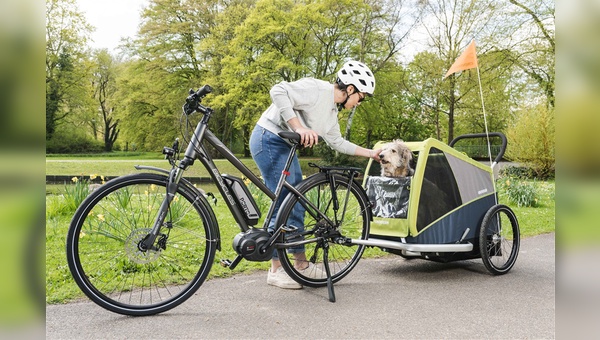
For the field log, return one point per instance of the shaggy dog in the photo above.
(395, 159)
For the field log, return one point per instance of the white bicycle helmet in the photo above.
(358, 74)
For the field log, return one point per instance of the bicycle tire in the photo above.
(355, 224)
(106, 263)
(498, 242)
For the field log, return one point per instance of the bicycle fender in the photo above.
(201, 199)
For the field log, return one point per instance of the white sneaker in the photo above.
(313, 272)
(281, 279)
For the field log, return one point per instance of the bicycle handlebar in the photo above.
(192, 102)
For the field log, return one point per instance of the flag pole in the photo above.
(468, 60)
(487, 134)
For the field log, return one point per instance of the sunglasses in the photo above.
(361, 97)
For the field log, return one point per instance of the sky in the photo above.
(113, 19)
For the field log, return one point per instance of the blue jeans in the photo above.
(270, 153)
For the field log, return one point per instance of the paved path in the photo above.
(382, 298)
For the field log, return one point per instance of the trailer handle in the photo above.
(483, 135)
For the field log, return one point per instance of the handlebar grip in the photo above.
(192, 102)
(204, 90)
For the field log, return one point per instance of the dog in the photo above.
(395, 158)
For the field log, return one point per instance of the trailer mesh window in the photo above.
(439, 191)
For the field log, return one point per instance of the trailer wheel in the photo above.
(499, 239)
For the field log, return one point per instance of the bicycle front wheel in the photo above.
(103, 245)
(348, 218)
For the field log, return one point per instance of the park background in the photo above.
(107, 110)
(22, 146)
(129, 98)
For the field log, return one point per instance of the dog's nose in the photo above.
(380, 156)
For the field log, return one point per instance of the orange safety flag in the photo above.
(466, 60)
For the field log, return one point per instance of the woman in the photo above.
(308, 107)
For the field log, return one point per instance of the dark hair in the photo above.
(341, 85)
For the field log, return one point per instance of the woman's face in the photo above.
(354, 98)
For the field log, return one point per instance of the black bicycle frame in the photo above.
(196, 150)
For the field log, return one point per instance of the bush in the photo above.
(520, 192)
(531, 141)
(520, 172)
(68, 142)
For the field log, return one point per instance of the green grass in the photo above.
(61, 288)
(118, 166)
(111, 155)
(540, 219)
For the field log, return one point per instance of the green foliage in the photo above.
(66, 37)
(540, 219)
(531, 140)
(262, 201)
(72, 142)
(243, 47)
(331, 157)
(520, 172)
(75, 194)
(519, 192)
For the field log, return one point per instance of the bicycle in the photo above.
(144, 243)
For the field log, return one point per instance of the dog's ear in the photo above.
(407, 154)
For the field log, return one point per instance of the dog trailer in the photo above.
(447, 211)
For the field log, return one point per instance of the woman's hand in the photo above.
(308, 137)
(375, 154)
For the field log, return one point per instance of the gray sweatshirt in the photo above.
(311, 100)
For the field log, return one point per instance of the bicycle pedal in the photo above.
(225, 263)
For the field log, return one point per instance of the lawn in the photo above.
(61, 288)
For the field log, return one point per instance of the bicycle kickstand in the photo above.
(328, 271)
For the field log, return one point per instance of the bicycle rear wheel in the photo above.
(103, 253)
(351, 220)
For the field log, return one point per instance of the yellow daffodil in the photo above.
(74, 179)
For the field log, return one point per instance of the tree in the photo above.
(387, 24)
(532, 46)
(66, 36)
(451, 25)
(534, 147)
(164, 63)
(104, 82)
(288, 40)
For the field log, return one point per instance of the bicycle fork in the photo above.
(147, 243)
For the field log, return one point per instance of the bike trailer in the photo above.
(437, 210)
